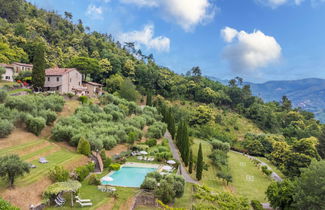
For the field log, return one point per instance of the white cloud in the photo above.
(94, 12)
(248, 52)
(228, 34)
(146, 38)
(186, 13)
(142, 3)
(274, 3)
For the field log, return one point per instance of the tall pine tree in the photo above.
(190, 165)
(199, 164)
(38, 74)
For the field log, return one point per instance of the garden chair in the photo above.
(84, 204)
(58, 202)
(82, 200)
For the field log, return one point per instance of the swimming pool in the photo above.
(128, 176)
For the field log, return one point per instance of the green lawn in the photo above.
(13, 149)
(248, 180)
(209, 177)
(19, 90)
(60, 157)
(186, 200)
(3, 83)
(99, 198)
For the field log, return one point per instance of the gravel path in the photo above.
(181, 170)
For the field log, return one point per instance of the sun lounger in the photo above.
(58, 203)
(140, 158)
(84, 204)
(43, 160)
(82, 200)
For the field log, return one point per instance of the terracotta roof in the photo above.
(93, 83)
(22, 64)
(58, 71)
(6, 65)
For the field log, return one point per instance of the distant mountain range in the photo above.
(308, 94)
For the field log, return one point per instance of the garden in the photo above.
(114, 121)
(32, 112)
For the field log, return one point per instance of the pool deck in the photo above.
(141, 165)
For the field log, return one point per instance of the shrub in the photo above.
(93, 180)
(156, 175)
(132, 137)
(165, 192)
(64, 133)
(219, 145)
(109, 142)
(256, 205)
(58, 174)
(156, 130)
(149, 183)
(4, 205)
(266, 170)
(83, 171)
(3, 96)
(95, 144)
(49, 115)
(107, 163)
(83, 99)
(35, 124)
(115, 166)
(5, 128)
(151, 142)
(83, 147)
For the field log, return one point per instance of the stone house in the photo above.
(63, 80)
(9, 74)
(19, 67)
(93, 89)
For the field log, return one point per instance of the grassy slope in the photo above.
(248, 180)
(237, 125)
(240, 167)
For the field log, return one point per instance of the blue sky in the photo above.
(258, 40)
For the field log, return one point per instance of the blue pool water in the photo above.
(128, 176)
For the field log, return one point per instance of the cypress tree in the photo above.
(172, 127)
(149, 98)
(186, 145)
(38, 74)
(199, 164)
(179, 135)
(190, 165)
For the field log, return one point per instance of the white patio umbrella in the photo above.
(167, 168)
(171, 162)
(143, 153)
(107, 179)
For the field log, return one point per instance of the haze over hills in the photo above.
(308, 94)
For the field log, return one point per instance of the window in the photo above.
(48, 78)
(7, 77)
(79, 83)
(58, 79)
(70, 79)
(57, 87)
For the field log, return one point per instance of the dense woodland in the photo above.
(292, 139)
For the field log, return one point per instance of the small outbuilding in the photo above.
(93, 89)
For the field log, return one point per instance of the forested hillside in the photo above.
(290, 138)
